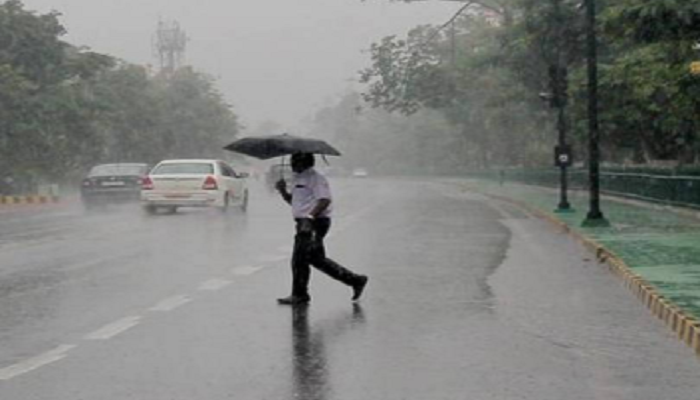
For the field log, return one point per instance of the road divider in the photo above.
(30, 199)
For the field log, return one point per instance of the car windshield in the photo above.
(184, 168)
(118, 169)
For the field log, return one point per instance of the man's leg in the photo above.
(300, 269)
(318, 259)
(301, 272)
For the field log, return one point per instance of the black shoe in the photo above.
(359, 287)
(294, 300)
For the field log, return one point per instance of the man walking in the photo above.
(311, 200)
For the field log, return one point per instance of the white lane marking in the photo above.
(35, 362)
(111, 330)
(271, 258)
(214, 284)
(245, 270)
(170, 303)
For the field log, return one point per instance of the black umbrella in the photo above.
(266, 147)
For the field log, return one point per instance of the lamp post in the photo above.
(563, 158)
(559, 83)
(595, 216)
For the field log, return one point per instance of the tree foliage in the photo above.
(651, 98)
(484, 76)
(650, 21)
(64, 108)
(465, 74)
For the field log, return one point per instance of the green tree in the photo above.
(487, 90)
(652, 103)
(196, 121)
(64, 108)
(485, 77)
(43, 111)
(655, 20)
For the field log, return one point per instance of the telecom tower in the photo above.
(169, 45)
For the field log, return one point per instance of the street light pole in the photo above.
(564, 205)
(595, 215)
(559, 92)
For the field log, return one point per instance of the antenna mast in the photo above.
(169, 45)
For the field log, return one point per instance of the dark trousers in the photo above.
(310, 251)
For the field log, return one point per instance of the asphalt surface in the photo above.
(657, 242)
(468, 299)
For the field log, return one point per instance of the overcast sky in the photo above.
(274, 60)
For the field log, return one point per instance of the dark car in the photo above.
(113, 183)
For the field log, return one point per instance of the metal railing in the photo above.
(680, 190)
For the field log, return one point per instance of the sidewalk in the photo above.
(659, 244)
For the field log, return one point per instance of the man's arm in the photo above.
(321, 206)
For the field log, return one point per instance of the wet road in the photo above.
(468, 299)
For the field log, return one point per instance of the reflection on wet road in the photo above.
(467, 299)
(311, 380)
(309, 360)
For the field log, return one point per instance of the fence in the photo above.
(680, 190)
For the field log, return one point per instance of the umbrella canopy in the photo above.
(266, 147)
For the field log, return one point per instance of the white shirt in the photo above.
(308, 187)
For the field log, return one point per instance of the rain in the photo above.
(349, 199)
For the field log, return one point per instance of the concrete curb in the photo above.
(32, 199)
(685, 326)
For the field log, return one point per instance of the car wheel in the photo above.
(150, 210)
